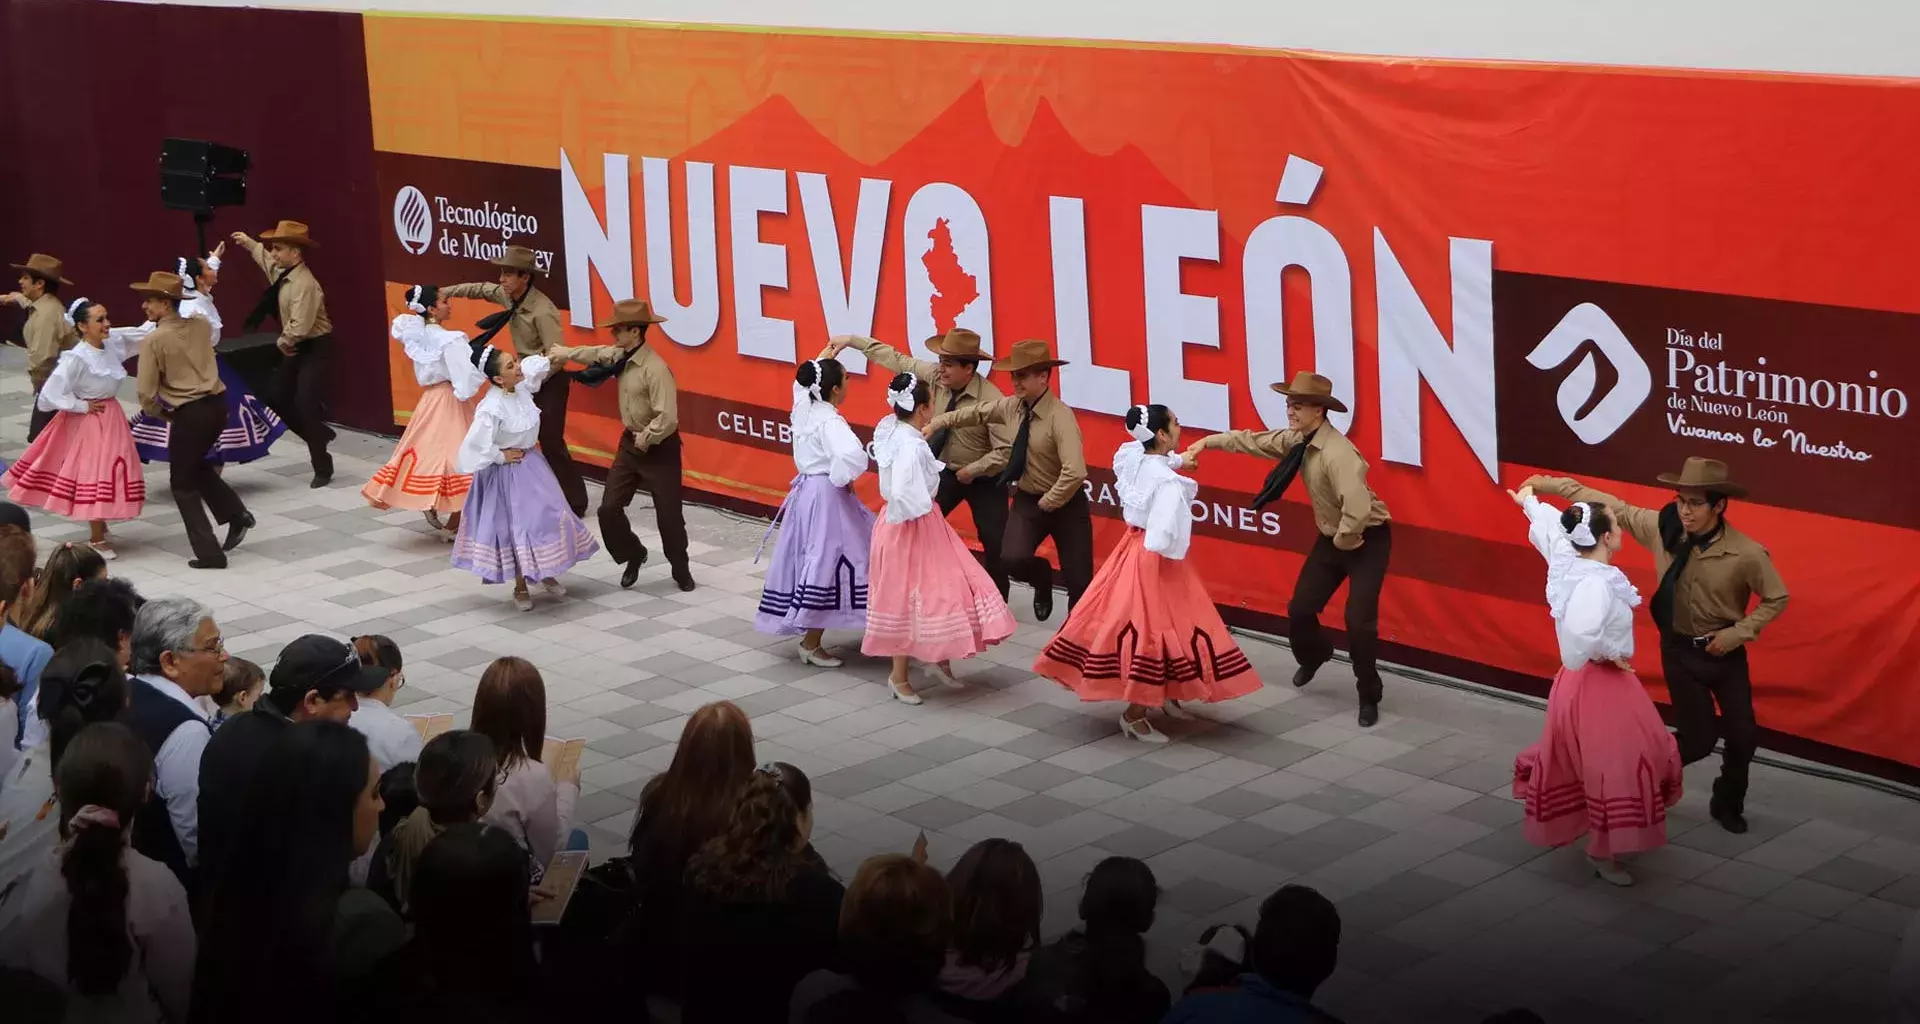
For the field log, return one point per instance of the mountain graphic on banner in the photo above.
(953, 288)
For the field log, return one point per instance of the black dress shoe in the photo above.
(198, 563)
(237, 531)
(1729, 819)
(684, 578)
(320, 480)
(1303, 675)
(1369, 715)
(631, 575)
(322, 471)
(1043, 603)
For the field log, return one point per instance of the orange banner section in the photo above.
(1505, 269)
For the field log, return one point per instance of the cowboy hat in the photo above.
(1700, 474)
(289, 232)
(632, 311)
(44, 265)
(517, 257)
(1031, 354)
(1312, 389)
(958, 343)
(160, 284)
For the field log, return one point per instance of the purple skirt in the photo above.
(517, 523)
(250, 432)
(818, 579)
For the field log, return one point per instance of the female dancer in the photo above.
(818, 579)
(927, 598)
(517, 524)
(1604, 763)
(251, 426)
(83, 465)
(1146, 632)
(420, 475)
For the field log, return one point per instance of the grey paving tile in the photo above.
(1140, 841)
(1037, 810)
(1490, 810)
(1243, 838)
(848, 782)
(945, 749)
(1276, 753)
(1337, 800)
(625, 744)
(1135, 773)
(1414, 890)
(640, 715)
(937, 814)
(1199, 897)
(1038, 777)
(600, 806)
(1040, 745)
(1854, 875)
(1301, 855)
(1238, 802)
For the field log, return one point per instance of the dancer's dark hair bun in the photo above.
(1599, 520)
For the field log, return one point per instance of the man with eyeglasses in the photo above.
(178, 657)
(1355, 540)
(1710, 573)
(973, 455)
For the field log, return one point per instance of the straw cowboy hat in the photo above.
(1312, 389)
(160, 284)
(517, 257)
(44, 265)
(632, 311)
(1703, 475)
(958, 343)
(1031, 354)
(289, 232)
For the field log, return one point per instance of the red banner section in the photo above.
(1504, 270)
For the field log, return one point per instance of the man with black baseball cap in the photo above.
(316, 677)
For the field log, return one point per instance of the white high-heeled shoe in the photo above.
(554, 588)
(943, 674)
(1610, 871)
(907, 697)
(818, 657)
(1174, 711)
(1142, 730)
(523, 600)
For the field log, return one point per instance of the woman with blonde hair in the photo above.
(532, 802)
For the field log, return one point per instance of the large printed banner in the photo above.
(1505, 270)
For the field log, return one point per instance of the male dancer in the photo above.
(649, 455)
(1355, 541)
(1046, 467)
(974, 456)
(1709, 574)
(180, 382)
(47, 332)
(534, 322)
(298, 390)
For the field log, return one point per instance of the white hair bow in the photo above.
(1582, 532)
(414, 295)
(902, 398)
(74, 307)
(813, 389)
(187, 283)
(1141, 432)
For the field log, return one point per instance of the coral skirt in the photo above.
(1146, 632)
(419, 476)
(1604, 766)
(927, 596)
(82, 466)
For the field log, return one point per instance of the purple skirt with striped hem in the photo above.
(250, 432)
(517, 523)
(818, 578)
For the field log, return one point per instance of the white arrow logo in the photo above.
(1589, 323)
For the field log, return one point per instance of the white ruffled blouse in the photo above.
(823, 444)
(1592, 603)
(87, 374)
(504, 419)
(909, 473)
(1155, 498)
(439, 355)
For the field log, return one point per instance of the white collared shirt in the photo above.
(439, 355)
(503, 420)
(176, 768)
(909, 474)
(823, 444)
(390, 738)
(1592, 602)
(1155, 499)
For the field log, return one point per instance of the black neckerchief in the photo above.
(269, 304)
(491, 323)
(1680, 547)
(599, 373)
(1282, 475)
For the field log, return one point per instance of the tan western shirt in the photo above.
(649, 399)
(47, 334)
(1056, 466)
(177, 364)
(303, 306)
(535, 325)
(981, 450)
(1719, 581)
(1344, 507)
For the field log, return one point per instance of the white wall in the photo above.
(1851, 37)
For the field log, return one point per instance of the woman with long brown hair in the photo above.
(680, 810)
(997, 907)
(531, 802)
(762, 910)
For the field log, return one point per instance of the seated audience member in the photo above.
(761, 910)
(241, 684)
(1217, 961)
(895, 925)
(680, 810)
(454, 784)
(1295, 947)
(82, 685)
(68, 567)
(997, 906)
(14, 515)
(108, 924)
(534, 805)
(398, 798)
(284, 937)
(101, 610)
(392, 738)
(20, 651)
(316, 678)
(472, 955)
(1097, 973)
(178, 657)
